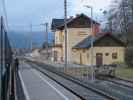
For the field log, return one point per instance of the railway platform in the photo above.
(37, 86)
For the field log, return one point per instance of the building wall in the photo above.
(78, 54)
(59, 38)
(75, 35)
(59, 51)
(86, 55)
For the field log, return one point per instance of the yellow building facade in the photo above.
(108, 50)
(84, 56)
(75, 35)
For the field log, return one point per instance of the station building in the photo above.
(107, 48)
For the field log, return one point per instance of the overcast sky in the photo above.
(25, 12)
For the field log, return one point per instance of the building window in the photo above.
(80, 33)
(114, 56)
(106, 54)
(88, 55)
(83, 51)
(62, 59)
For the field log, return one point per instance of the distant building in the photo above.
(107, 48)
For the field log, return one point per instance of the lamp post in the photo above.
(92, 40)
(65, 25)
(46, 39)
(31, 37)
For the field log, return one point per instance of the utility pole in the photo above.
(65, 24)
(1, 36)
(31, 47)
(92, 45)
(46, 38)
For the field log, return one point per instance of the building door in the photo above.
(81, 59)
(99, 59)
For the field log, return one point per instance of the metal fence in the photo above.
(6, 56)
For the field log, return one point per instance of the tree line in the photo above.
(120, 22)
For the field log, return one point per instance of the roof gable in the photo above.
(102, 40)
(80, 21)
(56, 23)
(108, 40)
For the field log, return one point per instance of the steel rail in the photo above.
(124, 79)
(79, 96)
(74, 80)
(115, 81)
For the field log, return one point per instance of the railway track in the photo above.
(120, 81)
(124, 80)
(96, 94)
(105, 88)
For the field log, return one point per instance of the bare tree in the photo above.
(120, 17)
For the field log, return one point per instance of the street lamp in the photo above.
(31, 41)
(65, 25)
(92, 39)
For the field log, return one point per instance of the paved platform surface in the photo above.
(18, 89)
(37, 86)
(86, 93)
(115, 90)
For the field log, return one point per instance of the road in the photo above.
(37, 86)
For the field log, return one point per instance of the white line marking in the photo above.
(16, 97)
(61, 94)
(24, 87)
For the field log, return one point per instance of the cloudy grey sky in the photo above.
(25, 12)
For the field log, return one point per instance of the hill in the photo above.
(21, 39)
